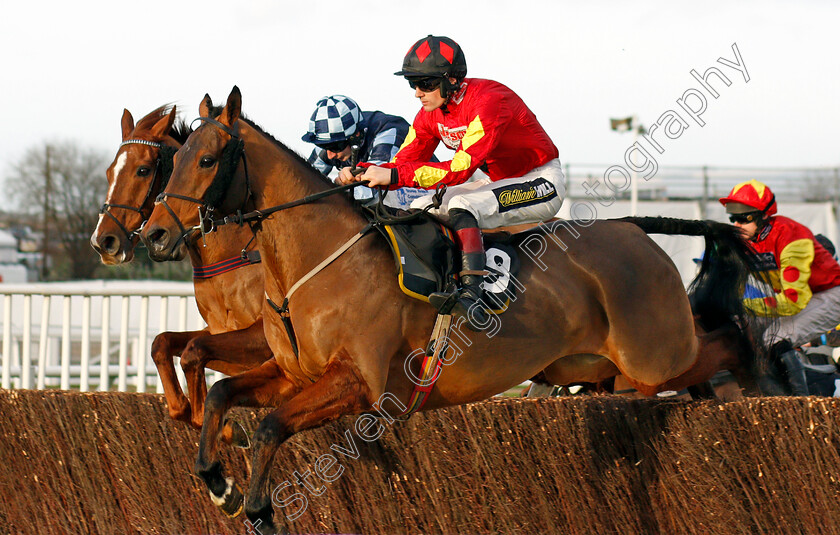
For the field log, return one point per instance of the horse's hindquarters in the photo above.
(631, 306)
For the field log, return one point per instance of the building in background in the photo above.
(11, 267)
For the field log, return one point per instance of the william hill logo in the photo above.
(510, 197)
(518, 195)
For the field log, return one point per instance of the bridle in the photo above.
(232, 153)
(164, 151)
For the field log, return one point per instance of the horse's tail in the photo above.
(716, 293)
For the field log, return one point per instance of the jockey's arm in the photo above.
(795, 269)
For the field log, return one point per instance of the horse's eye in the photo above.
(207, 161)
(144, 171)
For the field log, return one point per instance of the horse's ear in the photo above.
(161, 128)
(205, 106)
(233, 107)
(127, 124)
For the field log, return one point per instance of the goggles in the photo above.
(335, 146)
(426, 85)
(744, 218)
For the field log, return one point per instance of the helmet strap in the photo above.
(769, 204)
(763, 218)
(447, 88)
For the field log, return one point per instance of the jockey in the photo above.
(338, 124)
(805, 277)
(490, 129)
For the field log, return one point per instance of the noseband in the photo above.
(232, 153)
(165, 152)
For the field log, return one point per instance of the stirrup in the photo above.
(460, 303)
(443, 301)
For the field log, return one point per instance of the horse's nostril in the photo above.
(157, 237)
(110, 244)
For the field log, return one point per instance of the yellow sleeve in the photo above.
(793, 293)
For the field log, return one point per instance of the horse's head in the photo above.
(205, 181)
(136, 176)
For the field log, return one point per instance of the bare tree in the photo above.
(61, 186)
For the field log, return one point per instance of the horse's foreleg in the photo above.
(164, 347)
(338, 392)
(265, 386)
(231, 353)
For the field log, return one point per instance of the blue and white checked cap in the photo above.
(335, 119)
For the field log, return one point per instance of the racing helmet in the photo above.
(435, 57)
(750, 196)
(336, 118)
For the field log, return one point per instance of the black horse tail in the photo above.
(716, 293)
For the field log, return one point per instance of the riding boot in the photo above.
(469, 303)
(467, 300)
(790, 363)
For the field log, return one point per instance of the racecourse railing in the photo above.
(704, 184)
(90, 335)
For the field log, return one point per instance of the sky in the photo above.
(70, 68)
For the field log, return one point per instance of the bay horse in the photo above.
(228, 289)
(609, 301)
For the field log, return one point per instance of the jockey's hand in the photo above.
(346, 177)
(376, 176)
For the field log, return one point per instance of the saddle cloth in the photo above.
(428, 261)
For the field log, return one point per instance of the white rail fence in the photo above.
(91, 335)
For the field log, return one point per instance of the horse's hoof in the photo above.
(263, 520)
(231, 503)
(235, 435)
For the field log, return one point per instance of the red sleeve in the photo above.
(486, 121)
(420, 142)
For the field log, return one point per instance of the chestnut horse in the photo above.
(230, 302)
(609, 301)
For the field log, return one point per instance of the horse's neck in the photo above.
(295, 240)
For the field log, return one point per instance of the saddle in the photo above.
(428, 260)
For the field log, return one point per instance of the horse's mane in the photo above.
(215, 111)
(180, 131)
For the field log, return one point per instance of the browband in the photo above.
(210, 120)
(141, 142)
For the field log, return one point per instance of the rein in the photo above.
(259, 215)
(382, 217)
